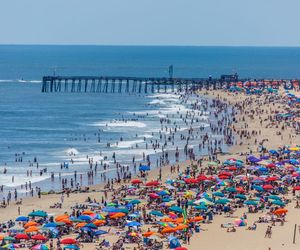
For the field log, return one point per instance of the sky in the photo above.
(151, 22)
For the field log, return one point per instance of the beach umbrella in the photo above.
(240, 223)
(67, 241)
(168, 230)
(231, 189)
(30, 224)
(218, 194)
(274, 197)
(38, 213)
(297, 188)
(11, 246)
(99, 222)
(81, 224)
(148, 234)
(9, 238)
(136, 181)
(222, 201)
(156, 213)
(32, 229)
(278, 202)
(241, 196)
(280, 211)
(133, 224)
(22, 218)
(144, 168)
(163, 192)
(50, 224)
(61, 217)
(123, 210)
(176, 209)
(181, 227)
(167, 199)
(100, 232)
(22, 237)
(154, 196)
(39, 237)
(91, 225)
(152, 183)
(212, 163)
(180, 248)
(134, 202)
(201, 207)
(251, 203)
(73, 247)
(88, 212)
(196, 219)
(268, 187)
(41, 247)
(94, 204)
(258, 188)
(84, 218)
(117, 215)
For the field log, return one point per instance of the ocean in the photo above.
(55, 126)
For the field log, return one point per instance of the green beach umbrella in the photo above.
(241, 196)
(278, 202)
(251, 202)
(201, 207)
(38, 213)
(218, 194)
(134, 202)
(274, 197)
(176, 209)
(222, 201)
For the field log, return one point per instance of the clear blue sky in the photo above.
(151, 22)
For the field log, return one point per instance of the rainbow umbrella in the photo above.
(240, 223)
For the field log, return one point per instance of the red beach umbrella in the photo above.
(22, 237)
(136, 181)
(191, 180)
(154, 196)
(152, 183)
(297, 188)
(268, 186)
(273, 178)
(68, 241)
(271, 165)
(181, 248)
(202, 178)
(39, 237)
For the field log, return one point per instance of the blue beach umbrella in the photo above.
(22, 218)
(100, 232)
(50, 224)
(133, 224)
(144, 168)
(84, 217)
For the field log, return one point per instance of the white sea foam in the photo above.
(120, 124)
(72, 151)
(127, 144)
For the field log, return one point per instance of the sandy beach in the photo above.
(212, 236)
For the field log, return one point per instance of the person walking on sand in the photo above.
(62, 198)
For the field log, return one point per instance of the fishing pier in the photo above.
(115, 84)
